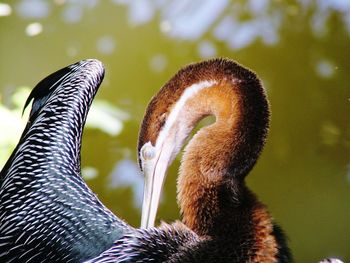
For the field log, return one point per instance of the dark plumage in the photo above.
(47, 213)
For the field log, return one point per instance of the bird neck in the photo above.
(212, 191)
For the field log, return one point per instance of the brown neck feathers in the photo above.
(211, 185)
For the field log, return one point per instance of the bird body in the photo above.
(222, 220)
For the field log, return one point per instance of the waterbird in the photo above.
(60, 219)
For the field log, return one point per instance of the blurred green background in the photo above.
(300, 49)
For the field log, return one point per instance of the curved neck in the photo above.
(219, 156)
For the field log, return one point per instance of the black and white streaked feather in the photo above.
(47, 212)
(168, 243)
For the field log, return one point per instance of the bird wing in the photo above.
(47, 212)
(167, 243)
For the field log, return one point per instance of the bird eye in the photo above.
(148, 151)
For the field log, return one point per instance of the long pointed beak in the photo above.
(154, 167)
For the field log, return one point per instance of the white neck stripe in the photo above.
(187, 94)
